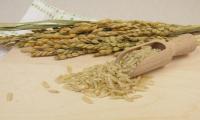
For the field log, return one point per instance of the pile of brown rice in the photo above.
(110, 79)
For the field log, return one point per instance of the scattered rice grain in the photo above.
(87, 100)
(69, 69)
(53, 91)
(45, 84)
(9, 97)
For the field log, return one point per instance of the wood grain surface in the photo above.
(175, 94)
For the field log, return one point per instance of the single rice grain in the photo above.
(9, 96)
(69, 69)
(45, 84)
(87, 100)
(53, 91)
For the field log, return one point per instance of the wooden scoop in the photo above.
(181, 45)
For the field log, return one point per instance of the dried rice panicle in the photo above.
(100, 38)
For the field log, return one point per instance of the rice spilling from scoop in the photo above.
(110, 79)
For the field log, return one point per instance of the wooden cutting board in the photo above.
(175, 94)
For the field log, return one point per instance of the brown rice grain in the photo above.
(53, 91)
(45, 84)
(87, 100)
(9, 97)
(69, 69)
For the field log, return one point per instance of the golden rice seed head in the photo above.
(20, 44)
(81, 29)
(56, 57)
(44, 40)
(57, 46)
(49, 53)
(60, 50)
(69, 55)
(43, 53)
(66, 52)
(75, 54)
(115, 49)
(64, 30)
(38, 54)
(9, 44)
(91, 36)
(27, 44)
(27, 49)
(166, 32)
(97, 54)
(97, 47)
(105, 52)
(84, 46)
(172, 29)
(45, 46)
(94, 41)
(4, 41)
(39, 43)
(81, 52)
(60, 57)
(102, 34)
(50, 43)
(69, 51)
(80, 45)
(73, 44)
(71, 36)
(90, 47)
(38, 47)
(33, 54)
(49, 49)
(95, 31)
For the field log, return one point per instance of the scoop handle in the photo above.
(183, 44)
